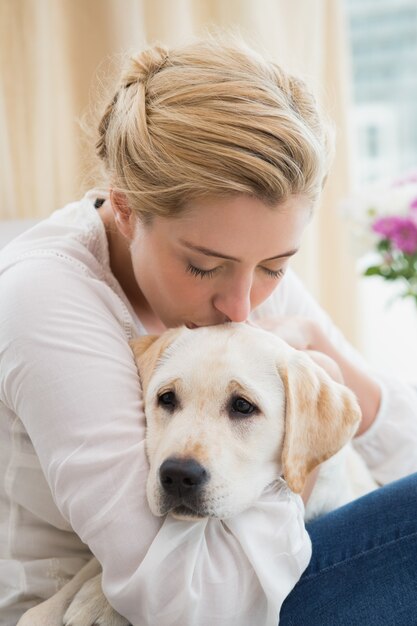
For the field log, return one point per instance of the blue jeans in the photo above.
(363, 570)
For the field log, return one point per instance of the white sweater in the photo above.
(72, 457)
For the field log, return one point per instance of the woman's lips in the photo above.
(191, 325)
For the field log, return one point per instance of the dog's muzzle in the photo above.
(182, 481)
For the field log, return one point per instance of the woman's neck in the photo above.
(122, 269)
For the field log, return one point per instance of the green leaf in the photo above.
(374, 270)
(384, 245)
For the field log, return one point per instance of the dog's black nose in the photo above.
(182, 477)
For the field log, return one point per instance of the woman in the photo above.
(215, 159)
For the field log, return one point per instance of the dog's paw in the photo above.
(90, 608)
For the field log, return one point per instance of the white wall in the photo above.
(387, 328)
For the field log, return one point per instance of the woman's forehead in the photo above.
(227, 226)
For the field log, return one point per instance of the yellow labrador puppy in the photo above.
(229, 409)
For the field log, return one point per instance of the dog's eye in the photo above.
(168, 400)
(240, 405)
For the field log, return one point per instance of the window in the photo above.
(383, 39)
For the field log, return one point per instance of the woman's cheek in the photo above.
(262, 292)
(187, 288)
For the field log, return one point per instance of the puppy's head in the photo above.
(229, 409)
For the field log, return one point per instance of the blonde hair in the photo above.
(210, 119)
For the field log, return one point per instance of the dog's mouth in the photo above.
(185, 512)
(183, 508)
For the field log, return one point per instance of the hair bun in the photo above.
(210, 119)
(144, 65)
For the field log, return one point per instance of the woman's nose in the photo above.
(234, 303)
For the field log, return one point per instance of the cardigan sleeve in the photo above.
(389, 446)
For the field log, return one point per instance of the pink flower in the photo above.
(402, 231)
(387, 226)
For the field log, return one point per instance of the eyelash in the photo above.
(272, 274)
(195, 271)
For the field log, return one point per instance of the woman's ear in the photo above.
(124, 217)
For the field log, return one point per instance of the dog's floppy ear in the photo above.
(148, 349)
(321, 416)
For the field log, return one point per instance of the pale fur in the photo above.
(304, 419)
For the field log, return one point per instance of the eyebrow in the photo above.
(220, 255)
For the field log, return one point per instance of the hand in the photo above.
(301, 334)
(329, 365)
(297, 331)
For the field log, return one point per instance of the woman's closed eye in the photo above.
(196, 271)
(274, 273)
